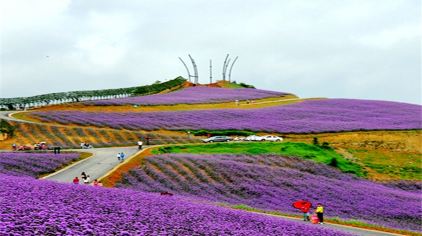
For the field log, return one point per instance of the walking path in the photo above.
(102, 161)
(5, 115)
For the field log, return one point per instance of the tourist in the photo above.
(140, 143)
(83, 176)
(122, 156)
(87, 179)
(118, 156)
(305, 211)
(76, 180)
(320, 213)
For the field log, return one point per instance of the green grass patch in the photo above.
(391, 165)
(316, 153)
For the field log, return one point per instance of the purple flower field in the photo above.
(191, 95)
(328, 115)
(33, 164)
(34, 207)
(273, 182)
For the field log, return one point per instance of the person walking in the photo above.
(76, 180)
(122, 156)
(87, 179)
(83, 176)
(320, 213)
(118, 156)
(140, 143)
(305, 211)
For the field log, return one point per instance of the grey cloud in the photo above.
(352, 49)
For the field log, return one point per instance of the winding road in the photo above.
(102, 161)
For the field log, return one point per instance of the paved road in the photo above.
(5, 116)
(102, 161)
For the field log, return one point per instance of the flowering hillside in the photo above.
(33, 207)
(33, 164)
(191, 95)
(274, 182)
(328, 115)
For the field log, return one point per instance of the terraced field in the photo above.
(48, 208)
(72, 136)
(192, 95)
(273, 182)
(329, 115)
(34, 164)
(367, 172)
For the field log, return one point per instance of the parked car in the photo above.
(217, 139)
(272, 138)
(254, 138)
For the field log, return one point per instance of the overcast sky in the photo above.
(314, 48)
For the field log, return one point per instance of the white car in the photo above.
(272, 138)
(254, 138)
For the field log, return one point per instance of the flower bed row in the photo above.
(329, 115)
(273, 182)
(191, 95)
(33, 164)
(33, 207)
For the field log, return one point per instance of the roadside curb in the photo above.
(126, 161)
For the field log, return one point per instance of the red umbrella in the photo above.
(302, 205)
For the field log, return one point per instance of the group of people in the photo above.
(85, 145)
(121, 156)
(317, 217)
(86, 179)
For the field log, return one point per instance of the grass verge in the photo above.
(112, 177)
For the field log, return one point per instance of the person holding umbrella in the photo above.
(304, 207)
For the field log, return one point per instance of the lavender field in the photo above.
(33, 164)
(33, 207)
(328, 115)
(274, 182)
(191, 95)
